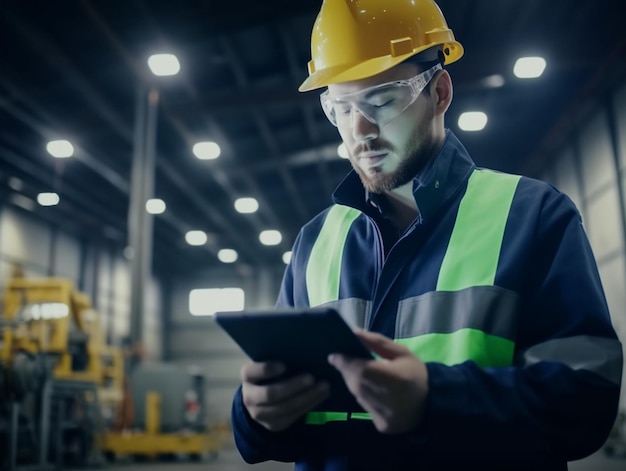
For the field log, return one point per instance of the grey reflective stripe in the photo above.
(324, 265)
(490, 309)
(474, 247)
(599, 355)
(354, 311)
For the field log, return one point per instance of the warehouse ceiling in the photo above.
(72, 69)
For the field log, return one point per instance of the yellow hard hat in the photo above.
(355, 39)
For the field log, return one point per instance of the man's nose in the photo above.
(362, 128)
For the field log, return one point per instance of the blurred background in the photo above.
(157, 162)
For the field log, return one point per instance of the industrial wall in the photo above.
(590, 167)
(197, 342)
(43, 250)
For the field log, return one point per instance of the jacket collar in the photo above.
(447, 172)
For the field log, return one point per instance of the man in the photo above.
(477, 290)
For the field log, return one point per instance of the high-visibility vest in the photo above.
(465, 283)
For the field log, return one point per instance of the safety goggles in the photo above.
(379, 104)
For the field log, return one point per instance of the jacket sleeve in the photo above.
(254, 442)
(560, 396)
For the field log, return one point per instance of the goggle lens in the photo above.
(379, 104)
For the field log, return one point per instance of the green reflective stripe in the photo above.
(465, 344)
(324, 265)
(474, 248)
(320, 418)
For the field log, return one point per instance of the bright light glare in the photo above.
(287, 257)
(342, 151)
(164, 64)
(60, 149)
(246, 205)
(196, 238)
(206, 302)
(45, 311)
(155, 206)
(270, 237)
(472, 121)
(227, 255)
(529, 67)
(48, 199)
(207, 150)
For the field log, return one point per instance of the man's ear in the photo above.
(441, 91)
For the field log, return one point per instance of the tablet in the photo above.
(302, 339)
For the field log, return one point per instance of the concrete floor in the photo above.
(229, 460)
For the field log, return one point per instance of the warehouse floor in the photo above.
(229, 460)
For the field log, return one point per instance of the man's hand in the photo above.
(277, 405)
(392, 390)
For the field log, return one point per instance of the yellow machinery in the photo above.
(51, 339)
(152, 443)
(53, 318)
(49, 318)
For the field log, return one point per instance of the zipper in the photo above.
(376, 302)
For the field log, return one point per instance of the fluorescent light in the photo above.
(60, 149)
(16, 184)
(207, 150)
(472, 121)
(342, 151)
(196, 237)
(246, 205)
(155, 206)
(270, 237)
(22, 201)
(529, 67)
(287, 257)
(227, 255)
(164, 64)
(48, 199)
(494, 81)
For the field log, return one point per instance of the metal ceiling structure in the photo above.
(72, 69)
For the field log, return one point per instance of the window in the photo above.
(206, 302)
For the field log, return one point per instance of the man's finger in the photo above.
(280, 390)
(381, 345)
(346, 363)
(257, 372)
(280, 416)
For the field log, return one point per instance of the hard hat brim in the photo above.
(369, 68)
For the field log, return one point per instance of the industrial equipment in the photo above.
(168, 416)
(53, 347)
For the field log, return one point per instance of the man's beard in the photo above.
(419, 150)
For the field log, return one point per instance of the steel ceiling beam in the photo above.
(264, 130)
(306, 111)
(221, 177)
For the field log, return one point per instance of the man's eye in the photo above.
(381, 100)
(382, 103)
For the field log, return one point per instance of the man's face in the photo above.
(390, 155)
